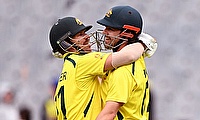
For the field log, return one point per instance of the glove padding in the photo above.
(150, 43)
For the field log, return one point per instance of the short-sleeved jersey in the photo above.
(129, 85)
(77, 95)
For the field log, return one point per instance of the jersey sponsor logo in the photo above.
(97, 56)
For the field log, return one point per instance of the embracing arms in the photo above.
(126, 55)
(132, 52)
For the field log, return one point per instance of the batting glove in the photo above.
(150, 43)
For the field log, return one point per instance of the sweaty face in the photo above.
(82, 40)
(111, 37)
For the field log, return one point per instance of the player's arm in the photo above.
(150, 44)
(126, 55)
(132, 52)
(109, 111)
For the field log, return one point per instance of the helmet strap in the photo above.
(120, 44)
(123, 44)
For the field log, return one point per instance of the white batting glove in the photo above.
(150, 42)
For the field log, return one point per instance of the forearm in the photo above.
(127, 55)
(109, 111)
(106, 116)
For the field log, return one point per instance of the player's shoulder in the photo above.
(125, 70)
(122, 69)
(140, 62)
(99, 55)
(141, 59)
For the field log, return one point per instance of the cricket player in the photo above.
(125, 91)
(77, 95)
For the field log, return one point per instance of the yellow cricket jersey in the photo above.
(129, 85)
(77, 95)
(50, 108)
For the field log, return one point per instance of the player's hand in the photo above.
(150, 43)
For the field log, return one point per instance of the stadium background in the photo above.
(27, 66)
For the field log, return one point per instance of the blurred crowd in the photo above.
(9, 110)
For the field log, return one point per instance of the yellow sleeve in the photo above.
(93, 63)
